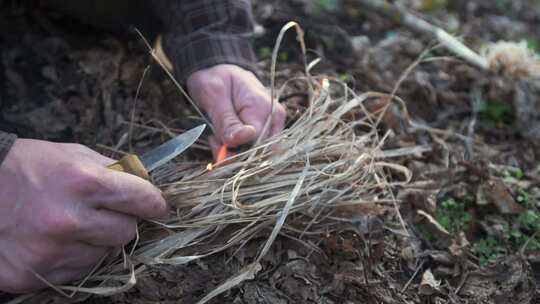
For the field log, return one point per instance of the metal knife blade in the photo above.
(172, 148)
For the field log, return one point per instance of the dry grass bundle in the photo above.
(295, 183)
(305, 181)
(515, 59)
(330, 161)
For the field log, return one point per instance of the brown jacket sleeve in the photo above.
(200, 34)
(6, 141)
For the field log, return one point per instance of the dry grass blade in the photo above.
(164, 65)
(107, 291)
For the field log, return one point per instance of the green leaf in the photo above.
(327, 5)
(516, 234)
(265, 53)
(283, 57)
(453, 216)
(487, 250)
(495, 111)
(518, 173)
(533, 44)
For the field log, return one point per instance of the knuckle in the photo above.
(82, 179)
(210, 81)
(259, 98)
(58, 224)
(215, 83)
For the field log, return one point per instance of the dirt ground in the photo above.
(473, 212)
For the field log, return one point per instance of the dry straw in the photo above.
(294, 184)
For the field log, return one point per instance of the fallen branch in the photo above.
(512, 58)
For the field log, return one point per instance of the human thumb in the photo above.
(232, 130)
(213, 91)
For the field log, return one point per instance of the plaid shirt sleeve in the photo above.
(6, 141)
(202, 33)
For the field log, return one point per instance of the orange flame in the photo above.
(222, 154)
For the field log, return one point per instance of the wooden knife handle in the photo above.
(130, 164)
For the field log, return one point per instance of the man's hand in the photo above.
(237, 103)
(61, 211)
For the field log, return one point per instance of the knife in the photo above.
(158, 156)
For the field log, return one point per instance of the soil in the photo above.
(66, 81)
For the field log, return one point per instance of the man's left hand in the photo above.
(237, 103)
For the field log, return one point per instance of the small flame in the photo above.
(222, 154)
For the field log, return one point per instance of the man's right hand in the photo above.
(61, 211)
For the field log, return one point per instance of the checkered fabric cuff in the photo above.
(209, 51)
(200, 34)
(6, 141)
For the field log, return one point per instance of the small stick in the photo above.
(413, 277)
(462, 283)
(402, 16)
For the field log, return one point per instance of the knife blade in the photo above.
(158, 156)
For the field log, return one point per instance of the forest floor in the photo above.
(473, 214)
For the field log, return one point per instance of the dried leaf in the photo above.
(429, 284)
(499, 195)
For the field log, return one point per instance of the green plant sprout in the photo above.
(452, 216)
(488, 250)
(495, 111)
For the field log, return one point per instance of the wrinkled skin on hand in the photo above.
(61, 211)
(237, 104)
